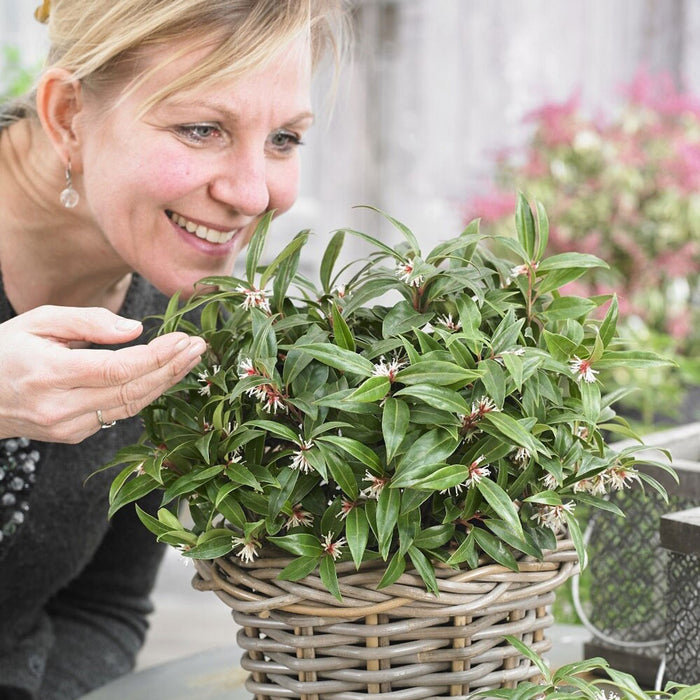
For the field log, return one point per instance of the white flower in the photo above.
(332, 548)
(299, 517)
(449, 323)
(621, 478)
(602, 695)
(595, 485)
(553, 516)
(484, 405)
(246, 368)
(476, 474)
(204, 379)
(521, 456)
(382, 369)
(339, 291)
(550, 481)
(254, 298)
(345, 508)
(300, 460)
(582, 369)
(376, 485)
(404, 270)
(270, 397)
(248, 550)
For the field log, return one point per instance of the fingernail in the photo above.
(182, 344)
(127, 324)
(197, 347)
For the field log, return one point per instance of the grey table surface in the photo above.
(210, 675)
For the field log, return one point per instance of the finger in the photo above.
(91, 324)
(113, 368)
(126, 403)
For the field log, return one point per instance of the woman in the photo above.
(159, 132)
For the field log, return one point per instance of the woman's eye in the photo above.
(285, 141)
(198, 133)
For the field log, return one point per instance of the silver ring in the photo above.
(103, 425)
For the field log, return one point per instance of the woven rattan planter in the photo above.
(398, 643)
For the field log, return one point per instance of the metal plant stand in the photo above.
(634, 585)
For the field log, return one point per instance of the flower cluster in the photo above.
(625, 187)
(461, 421)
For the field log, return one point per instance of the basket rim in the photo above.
(253, 587)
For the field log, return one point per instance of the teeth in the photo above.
(203, 232)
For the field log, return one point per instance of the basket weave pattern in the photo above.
(398, 643)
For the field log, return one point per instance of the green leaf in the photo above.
(357, 533)
(339, 358)
(590, 399)
(434, 537)
(634, 359)
(609, 325)
(496, 549)
(525, 226)
(341, 332)
(403, 318)
(132, 491)
(501, 503)
(542, 230)
(372, 389)
(437, 397)
(329, 576)
(511, 429)
(425, 569)
(530, 654)
(388, 507)
(256, 247)
(394, 570)
(438, 479)
(577, 537)
(407, 233)
(436, 372)
(288, 251)
(395, 420)
(219, 544)
(299, 568)
(342, 473)
(562, 308)
(355, 448)
(281, 431)
(301, 544)
(436, 444)
(330, 257)
(564, 261)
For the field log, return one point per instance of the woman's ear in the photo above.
(58, 102)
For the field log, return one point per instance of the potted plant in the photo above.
(381, 473)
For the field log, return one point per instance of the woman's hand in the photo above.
(51, 390)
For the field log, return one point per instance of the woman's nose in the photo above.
(241, 184)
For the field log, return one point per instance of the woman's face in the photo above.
(177, 192)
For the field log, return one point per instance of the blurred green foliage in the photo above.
(16, 77)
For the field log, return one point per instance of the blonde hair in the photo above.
(100, 41)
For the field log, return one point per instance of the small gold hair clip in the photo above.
(43, 11)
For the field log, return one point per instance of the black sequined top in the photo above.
(74, 586)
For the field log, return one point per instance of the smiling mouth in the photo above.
(199, 230)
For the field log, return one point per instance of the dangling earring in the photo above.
(69, 196)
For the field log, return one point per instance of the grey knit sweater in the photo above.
(74, 586)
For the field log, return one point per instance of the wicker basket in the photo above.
(398, 643)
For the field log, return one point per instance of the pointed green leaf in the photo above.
(501, 503)
(329, 576)
(357, 533)
(339, 358)
(256, 247)
(395, 420)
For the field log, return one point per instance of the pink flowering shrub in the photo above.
(626, 188)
